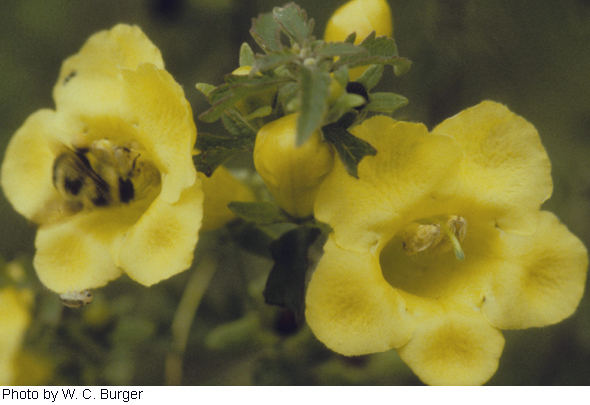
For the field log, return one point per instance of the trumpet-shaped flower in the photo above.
(441, 243)
(108, 174)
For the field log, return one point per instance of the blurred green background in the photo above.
(532, 55)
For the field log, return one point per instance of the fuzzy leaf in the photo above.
(333, 49)
(293, 20)
(206, 162)
(351, 149)
(246, 55)
(314, 91)
(217, 149)
(380, 50)
(266, 32)
(371, 77)
(285, 285)
(205, 88)
(386, 102)
(237, 126)
(274, 59)
(235, 88)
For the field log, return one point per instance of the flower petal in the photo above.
(453, 346)
(351, 308)
(165, 126)
(542, 279)
(76, 254)
(506, 167)
(411, 167)
(161, 243)
(90, 81)
(28, 165)
(14, 322)
(220, 189)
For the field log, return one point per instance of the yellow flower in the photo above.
(441, 243)
(362, 17)
(108, 175)
(15, 318)
(292, 173)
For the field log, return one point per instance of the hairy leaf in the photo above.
(314, 90)
(266, 32)
(371, 77)
(246, 55)
(386, 102)
(351, 149)
(293, 20)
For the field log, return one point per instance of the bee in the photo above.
(97, 176)
(76, 299)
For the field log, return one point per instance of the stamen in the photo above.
(435, 236)
(456, 245)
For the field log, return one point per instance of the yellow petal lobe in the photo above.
(542, 279)
(506, 167)
(453, 346)
(90, 81)
(351, 308)
(162, 242)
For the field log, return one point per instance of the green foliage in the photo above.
(301, 70)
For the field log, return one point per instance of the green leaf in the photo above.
(380, 50)
(217, 149)
(287, 93)
(205, 88)
(333, 49)
(262, 112)
(246, 55)
(285, 285)
(350, 38)
(371, 77)
(262, 213)
(274, 59)
(386, 102)
(351, 149)
(314, 91)
(266, 32)
(238, 126)
(293, 20)
(235, 88)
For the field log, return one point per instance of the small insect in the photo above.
(76, 299)
(100, 175)
(76, 180)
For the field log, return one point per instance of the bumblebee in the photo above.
(100, 175)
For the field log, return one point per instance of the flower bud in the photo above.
(362, 17)
(292, 173)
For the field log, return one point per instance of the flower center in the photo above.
(436, 236)
(102, 174)
(418, 260)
